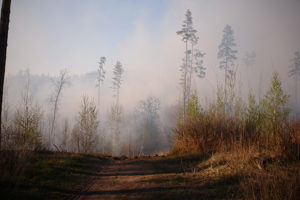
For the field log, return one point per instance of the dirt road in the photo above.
(151, 178)
(119, 179)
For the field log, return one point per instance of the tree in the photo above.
(193, 107)
(274, 104)
(100, 79)
(84, 132)
(254, 115)
(65, 135)
(188, 35)
(27, 121)
(115, 121)
(295, 71)
(117, 80)
(101, 76)
(7, 122)
(147, 110)
(195, 66)
(58, 85)
(199, 69)
(227, 55)
(249, 61)
(4, 24)
(249, 58)
(116, 109)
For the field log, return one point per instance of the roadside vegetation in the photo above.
(44, 174)
(258, 143)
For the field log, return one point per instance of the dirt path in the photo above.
(118, 179)
(149, 179)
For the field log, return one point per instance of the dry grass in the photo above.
(262, 175)
(266, 159)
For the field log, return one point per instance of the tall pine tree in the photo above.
(227, 55)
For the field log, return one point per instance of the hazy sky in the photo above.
(49, 35)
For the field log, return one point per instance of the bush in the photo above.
(264, 125)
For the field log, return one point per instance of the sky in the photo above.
(50, 35)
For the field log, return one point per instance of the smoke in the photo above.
(143, 38)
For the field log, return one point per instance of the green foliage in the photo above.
(273, 104)
(263, 124)
(27, 121)
(254, 116)
(27, 127)
(84, 132)
(193, 107)
(219, 107)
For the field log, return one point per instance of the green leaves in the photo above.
(274, 102)
(193, 107)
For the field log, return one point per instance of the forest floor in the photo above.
(156, 178)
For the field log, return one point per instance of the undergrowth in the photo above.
(257, 142)
(43, 175)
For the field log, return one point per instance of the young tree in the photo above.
(27, 121)
(193, 108)
(274, 104)
(6, 123)
(227, 55)
(5, 12)
(58, 85)
(188, 35)
(100, 77)
(295, 72)
(84, 132)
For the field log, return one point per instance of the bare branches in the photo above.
(58, 85)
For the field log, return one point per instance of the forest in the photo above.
(199, 114)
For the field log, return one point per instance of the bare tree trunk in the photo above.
(184, 81)
(225, 86)
(296, 95)
(190, 74)
(63, 78)
(5, 11)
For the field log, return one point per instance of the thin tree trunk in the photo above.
(5, 11)
(225, 87)
(296, 94)
(99, 94)
(55, 111)
(184, 83)
(191, 72)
